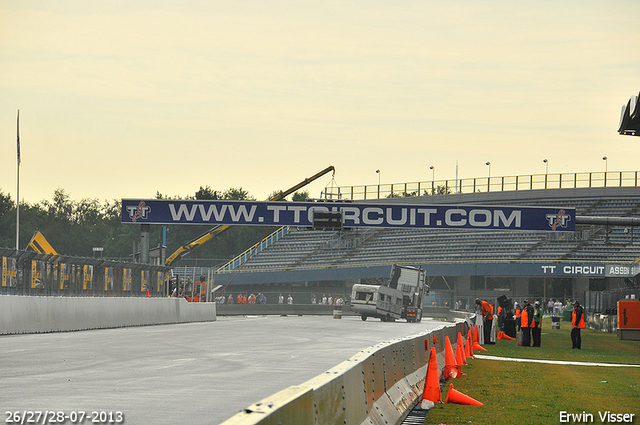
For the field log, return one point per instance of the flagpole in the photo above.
(18, 186)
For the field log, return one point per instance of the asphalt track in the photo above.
(180, 374)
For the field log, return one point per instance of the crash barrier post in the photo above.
(378, 385)
(21, 314)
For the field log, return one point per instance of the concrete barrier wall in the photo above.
(24, 314)
(275, 309)
(378, 385)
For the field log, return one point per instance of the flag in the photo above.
(18, 132)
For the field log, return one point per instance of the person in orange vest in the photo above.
(252, 299)
(239, 298)
(577, 323)
(526, 323)
(518, 316)
(487, 316)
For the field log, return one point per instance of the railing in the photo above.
(486, 184)
(30, 273)
(606, 302)
(242, 258)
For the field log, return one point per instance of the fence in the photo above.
(487, 184)
(606, 302)
(30, 273)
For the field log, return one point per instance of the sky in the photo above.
(123, 99)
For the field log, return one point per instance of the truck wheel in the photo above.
(364, 318)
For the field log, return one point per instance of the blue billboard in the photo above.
(392, 215)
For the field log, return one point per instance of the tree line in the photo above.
(75, 227)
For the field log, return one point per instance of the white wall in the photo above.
(24, 314)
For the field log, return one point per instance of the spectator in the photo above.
(280, 299)
(536, 331)
(290, 300)
(526, 323)
(577, 323)
(313, 299)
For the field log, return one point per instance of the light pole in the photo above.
(489, 178)
(378, 173)
(546, 171)
(433, 179)
(606, 166)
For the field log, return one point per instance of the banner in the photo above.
(87, 281)
(163, 211)
(126, 279)
(143, 280)
(37, 274)
(64, 275)
(9, 272)
(108, 278)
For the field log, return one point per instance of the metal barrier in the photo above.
(486, 184)
(30, 273)
(378, 385)
(606, 302)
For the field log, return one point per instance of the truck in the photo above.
(399, 298)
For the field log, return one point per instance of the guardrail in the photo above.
(30, 273)
(378, 385)
(486, 184)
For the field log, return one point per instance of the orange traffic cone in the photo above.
(451, 368)
(505, 336)
(500, 335)
(470, 347)
(460, 358)
(476, 336)
(479, 347)
(462, 351)
(431, 390)
(455, 396)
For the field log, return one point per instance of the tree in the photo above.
(301, 196)
(237, 194)
(207, 193)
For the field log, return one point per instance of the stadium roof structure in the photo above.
(303, 255)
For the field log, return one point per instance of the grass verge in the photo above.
(533, 393)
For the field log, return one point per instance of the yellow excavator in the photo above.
(215, 231)
(40, 244)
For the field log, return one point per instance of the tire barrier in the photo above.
(380, 384)
(24, 314)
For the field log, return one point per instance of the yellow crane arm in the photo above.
(213, 232)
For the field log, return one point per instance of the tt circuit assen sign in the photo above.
(279, 213)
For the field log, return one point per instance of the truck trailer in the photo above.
(399, 298)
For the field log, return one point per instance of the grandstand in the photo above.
(518, 260)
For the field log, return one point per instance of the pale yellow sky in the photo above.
(123, 99)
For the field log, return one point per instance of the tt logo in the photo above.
(558, 220)
(140, 211)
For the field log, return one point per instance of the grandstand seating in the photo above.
(304, 248)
